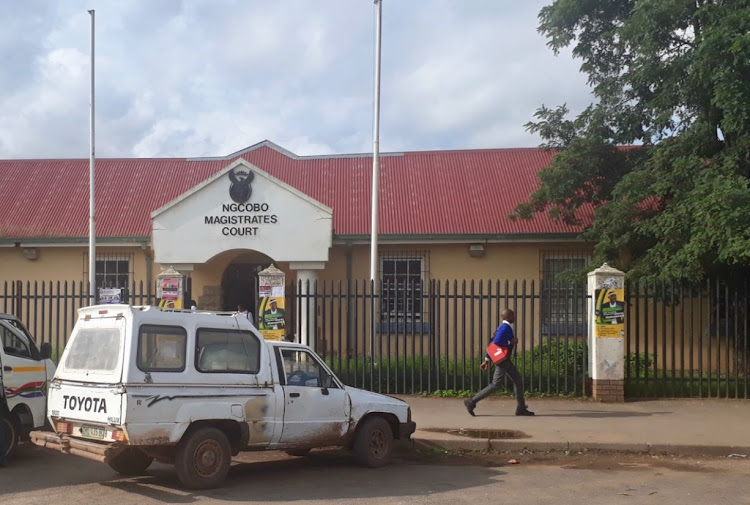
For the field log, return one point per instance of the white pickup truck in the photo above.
(138, 384)
(24, 372)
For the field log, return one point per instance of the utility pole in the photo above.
(375, 149)
(92, 206)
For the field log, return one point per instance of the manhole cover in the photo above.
(479, 433)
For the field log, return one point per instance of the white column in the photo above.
(606, 335)
(307, 275)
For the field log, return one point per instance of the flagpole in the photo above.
(92, 206)
(375, 149)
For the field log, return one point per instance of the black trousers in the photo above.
(504, 368)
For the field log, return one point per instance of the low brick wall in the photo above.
(610, 391)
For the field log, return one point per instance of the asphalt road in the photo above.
(38, 476)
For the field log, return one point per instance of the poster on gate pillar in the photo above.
(609, 321)
(271, 311)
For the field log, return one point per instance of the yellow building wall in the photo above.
(444, 262)
(452, 261)
(53, 286)
(64, 263)
(459, 331)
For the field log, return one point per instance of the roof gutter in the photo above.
(74, 241)
(453, 238)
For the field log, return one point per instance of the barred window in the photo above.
(112, 270)
(403, 277)
(562, 290)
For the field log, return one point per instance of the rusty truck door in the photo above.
(316, 408)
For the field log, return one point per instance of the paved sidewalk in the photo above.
(677, 426)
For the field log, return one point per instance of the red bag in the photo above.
(497, 353)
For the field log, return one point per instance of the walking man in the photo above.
(504, 338)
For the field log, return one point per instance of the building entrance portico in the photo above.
(227, 228)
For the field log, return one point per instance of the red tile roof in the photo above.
(421, 193)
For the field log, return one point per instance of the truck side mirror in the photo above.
(326, 383)
(45, 350)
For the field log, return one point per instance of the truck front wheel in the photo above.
(203, 458)
(10, 433)
(374, 443)
(131, 461)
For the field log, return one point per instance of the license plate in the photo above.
(93, 432)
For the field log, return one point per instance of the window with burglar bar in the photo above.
(563, 302)
(112, 271)
(402, 278)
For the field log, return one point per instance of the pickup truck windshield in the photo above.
(94, 349)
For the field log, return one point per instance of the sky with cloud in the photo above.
(209, 77)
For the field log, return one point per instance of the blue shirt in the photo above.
(503, 336)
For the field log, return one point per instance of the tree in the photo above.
(671, 79)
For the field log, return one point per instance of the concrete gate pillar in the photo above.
(606, 335)
(307, 275)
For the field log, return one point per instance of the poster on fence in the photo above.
(609, 314)
(271, 311)
(110, 295)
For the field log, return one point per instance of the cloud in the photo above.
(472, 78)
(46, 114)
(209, 77)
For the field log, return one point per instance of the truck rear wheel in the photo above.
(131, 461)
(9, 431)
(373, 443)
(203, 458)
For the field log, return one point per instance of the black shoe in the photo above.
(524, 412)
(469, 406)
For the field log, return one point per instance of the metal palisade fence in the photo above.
(688, 340)
(426, 337)
(49, 308)
(400, 338)
(397, 338)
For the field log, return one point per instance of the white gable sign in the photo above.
(242, 207)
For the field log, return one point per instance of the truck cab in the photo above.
(138, 384)
(25, 371)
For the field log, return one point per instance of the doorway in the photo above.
(240, 285)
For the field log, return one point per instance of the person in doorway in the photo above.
(193, 306)
(242, 309)
(504, 338)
